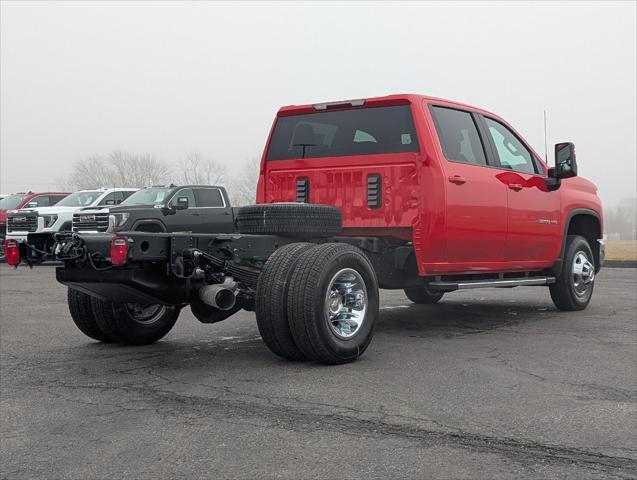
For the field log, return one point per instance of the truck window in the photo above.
(209, 197)
(361, 131)
(113, 198)
(147, 196)
(185, 192)
(458, 136)
(511, 151)
(12, 201)
(41, 201)
(79, 199)
(56, 198)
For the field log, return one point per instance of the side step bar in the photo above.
(503, 283)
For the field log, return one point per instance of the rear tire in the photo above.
(573, 289)
(133, 324)
(83, 317)
(333, 303)
(290, 219)
(271, 301)
(422, 296)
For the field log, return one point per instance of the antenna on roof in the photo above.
(546, 150)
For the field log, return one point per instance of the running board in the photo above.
(502, 283)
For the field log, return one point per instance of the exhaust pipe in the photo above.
(220, 295)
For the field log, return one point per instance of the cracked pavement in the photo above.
(490, 383)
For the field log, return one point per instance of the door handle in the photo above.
(457, 179)
(515, 186)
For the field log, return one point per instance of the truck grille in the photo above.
(90, 222)
(22, 222)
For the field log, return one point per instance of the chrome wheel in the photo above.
(583, 274)
(145, 313)
(346, 303)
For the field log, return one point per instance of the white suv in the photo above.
(59, 217)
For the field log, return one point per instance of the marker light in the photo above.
(119, 250)
(12, 252)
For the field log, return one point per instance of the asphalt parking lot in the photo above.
(486, 384)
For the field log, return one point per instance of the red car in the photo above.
(399, 192)
(16, 201)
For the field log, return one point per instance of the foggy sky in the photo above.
(83, 78)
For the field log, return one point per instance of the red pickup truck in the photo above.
(15, 201)
(398, 192)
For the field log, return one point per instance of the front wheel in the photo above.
(134, 323)
(573, 289)
(332, 303)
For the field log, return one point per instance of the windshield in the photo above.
(147, 196)
(361, 131)
(79, 199)
(12, 201)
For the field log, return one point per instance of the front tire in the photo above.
(83, 317)
(573, 289)
(133, 323)
(333, 303)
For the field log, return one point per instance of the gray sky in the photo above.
(169, 78)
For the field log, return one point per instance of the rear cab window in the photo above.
(358, 131)
(209, 197)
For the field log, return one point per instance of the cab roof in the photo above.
(387, 100)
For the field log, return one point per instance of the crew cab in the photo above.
(15, 201)
(185, 208)
(398, 192)
(44, 221)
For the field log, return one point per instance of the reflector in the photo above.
(12, 252)
(119, 250)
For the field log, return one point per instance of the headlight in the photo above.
(49, 220)
(116, 220)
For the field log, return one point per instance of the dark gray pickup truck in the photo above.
(185, 208)
(161, 209)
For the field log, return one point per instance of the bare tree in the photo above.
(136, 170)
(243, 187)
(195, 169)
(117, 169)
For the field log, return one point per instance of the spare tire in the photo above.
(290, 219)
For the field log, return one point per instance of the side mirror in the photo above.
(32, 204)
(110, 202)
(565, 161)
(181, 204)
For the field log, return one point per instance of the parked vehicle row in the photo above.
(399, 192)
(187, 208)
(17, 201)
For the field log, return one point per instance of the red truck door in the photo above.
(533, 233)
(476, 216)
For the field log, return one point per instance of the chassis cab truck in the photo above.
(398, 192)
